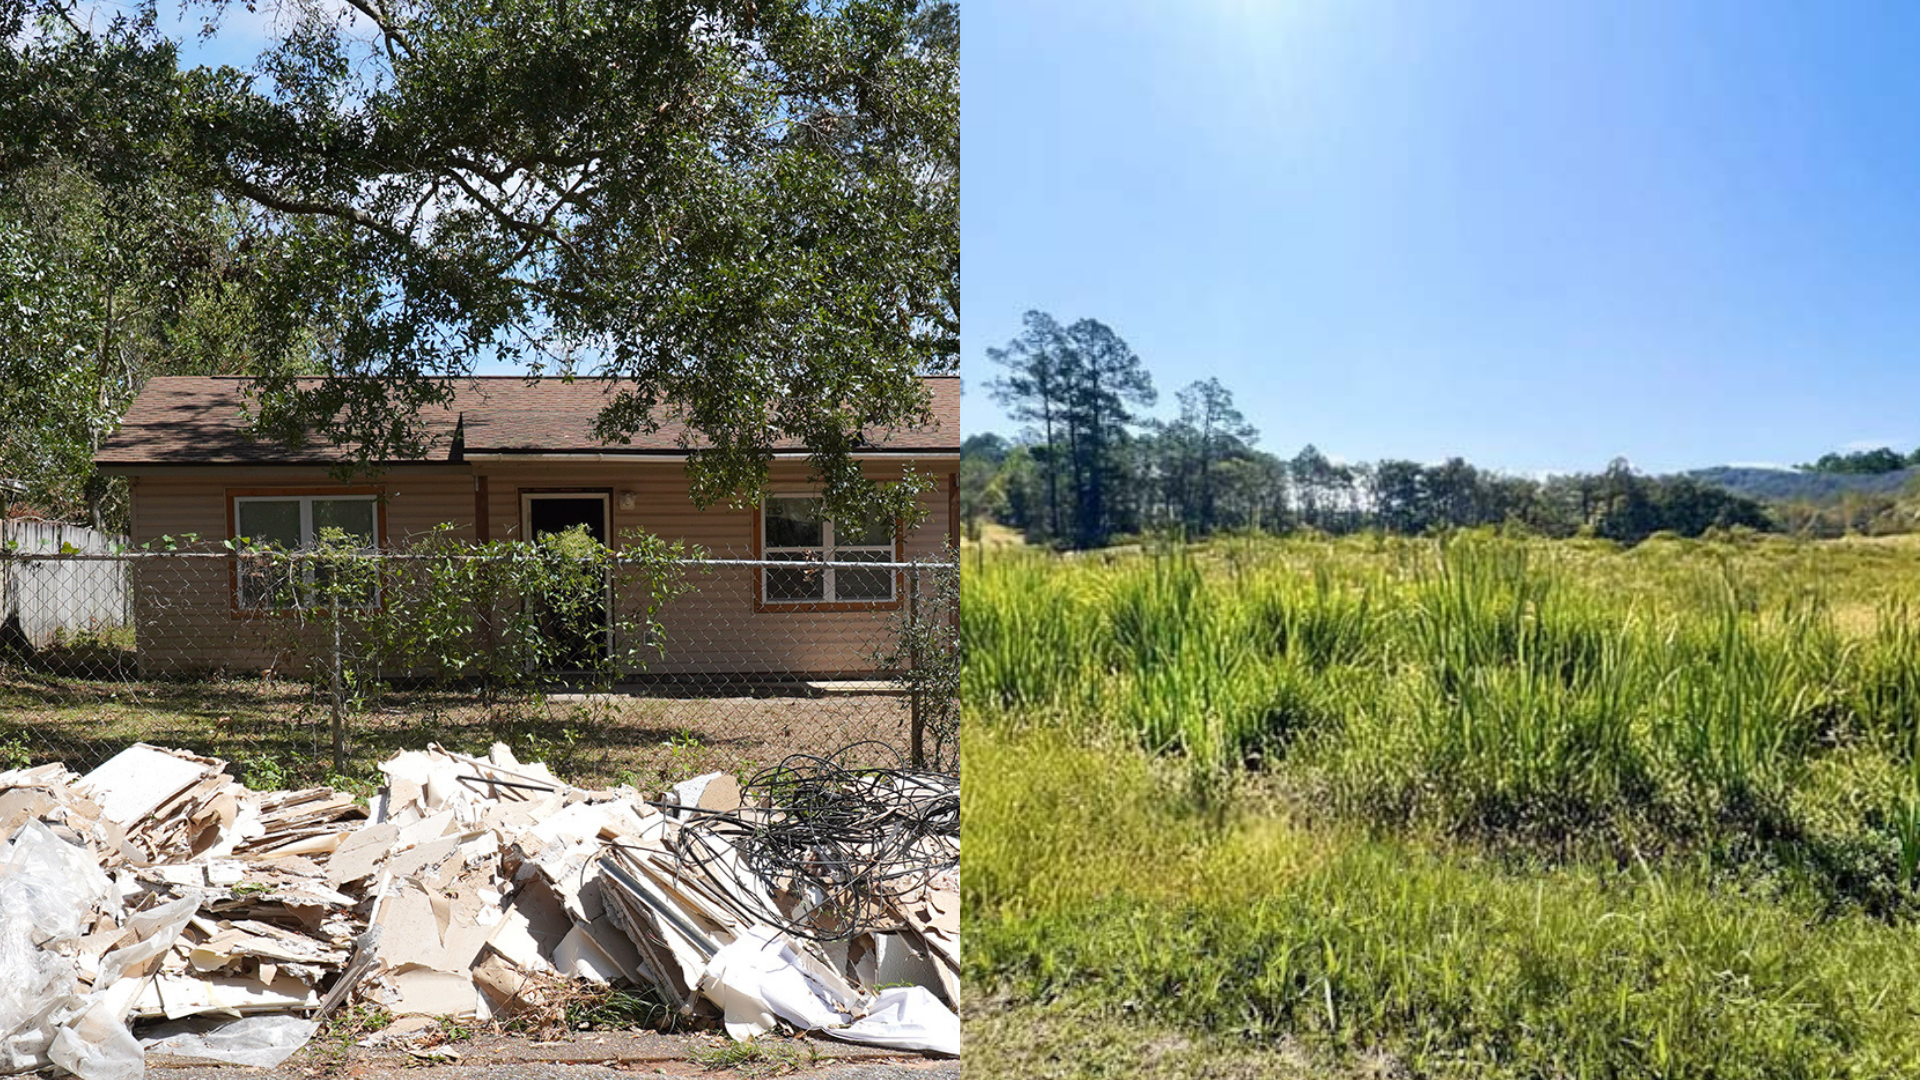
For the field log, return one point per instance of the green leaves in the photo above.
(747, 209)
(99, 288)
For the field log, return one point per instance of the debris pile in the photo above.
(157, 888)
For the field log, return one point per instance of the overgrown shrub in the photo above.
(507, 615)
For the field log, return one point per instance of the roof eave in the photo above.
(128, 468)
(682, 455)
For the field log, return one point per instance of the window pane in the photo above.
(794, 522)
(261, 582)
(274, 521)
(351, 516)
(796, 584)
(874, 534)
(863, 584)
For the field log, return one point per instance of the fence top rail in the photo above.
(384, 556)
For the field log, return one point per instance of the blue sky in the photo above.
(1535, 235)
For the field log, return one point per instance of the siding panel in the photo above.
(187, 622)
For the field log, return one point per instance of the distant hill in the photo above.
(1794, 485)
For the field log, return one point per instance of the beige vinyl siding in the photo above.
(167, 504)
(186, 619)
(713, 626)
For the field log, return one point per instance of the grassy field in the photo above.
(1473, 807)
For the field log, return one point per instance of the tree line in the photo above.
(1881, 459)
(1091, 466)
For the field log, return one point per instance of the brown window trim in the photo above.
(762, 606)
(234, 610)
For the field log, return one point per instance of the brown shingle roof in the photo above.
(194, 420)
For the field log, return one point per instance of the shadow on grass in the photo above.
(277, 733)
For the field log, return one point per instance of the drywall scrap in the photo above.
(158, 892)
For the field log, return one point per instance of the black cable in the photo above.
(846, 842)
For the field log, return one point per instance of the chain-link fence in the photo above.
(314, 665)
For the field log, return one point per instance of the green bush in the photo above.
(506, 615)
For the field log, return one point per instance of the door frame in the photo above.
(605, 496)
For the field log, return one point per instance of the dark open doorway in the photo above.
(552, 513)
(579, 623)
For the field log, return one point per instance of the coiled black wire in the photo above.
(844, 842)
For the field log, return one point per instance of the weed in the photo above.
(14, 752)
(1516, 691)
(618, 1008)
(761, 1057)
(1254, 929)
(331, 1047)
(263, 772)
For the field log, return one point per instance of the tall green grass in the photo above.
(1092, 879)
(1548, 697)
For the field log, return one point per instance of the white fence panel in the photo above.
(48, 598)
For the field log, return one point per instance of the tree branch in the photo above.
(384, 24)
(289, 205)
(509, 220)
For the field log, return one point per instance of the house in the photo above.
(524, 462)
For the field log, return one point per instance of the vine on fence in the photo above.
(924, 649)
(507, 614)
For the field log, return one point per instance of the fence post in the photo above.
(913, 663)
(6, 567)
(6, 581)
(339, 717)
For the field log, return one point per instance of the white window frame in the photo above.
(307, 539)
(828, 551)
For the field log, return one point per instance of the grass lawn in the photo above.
(277, 734)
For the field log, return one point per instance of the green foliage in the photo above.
(1193, 454)
(760, 1057)
(508, 615)
(345, 1028)
(1077, 384)
(983, 488)
(1680, 696)
(262, 772)
(1089, 469)
(619, 1008)
(923, 646)
(103, 284)
(15, 753)
(748, 209)
(1864, 462)
(1094, 883)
